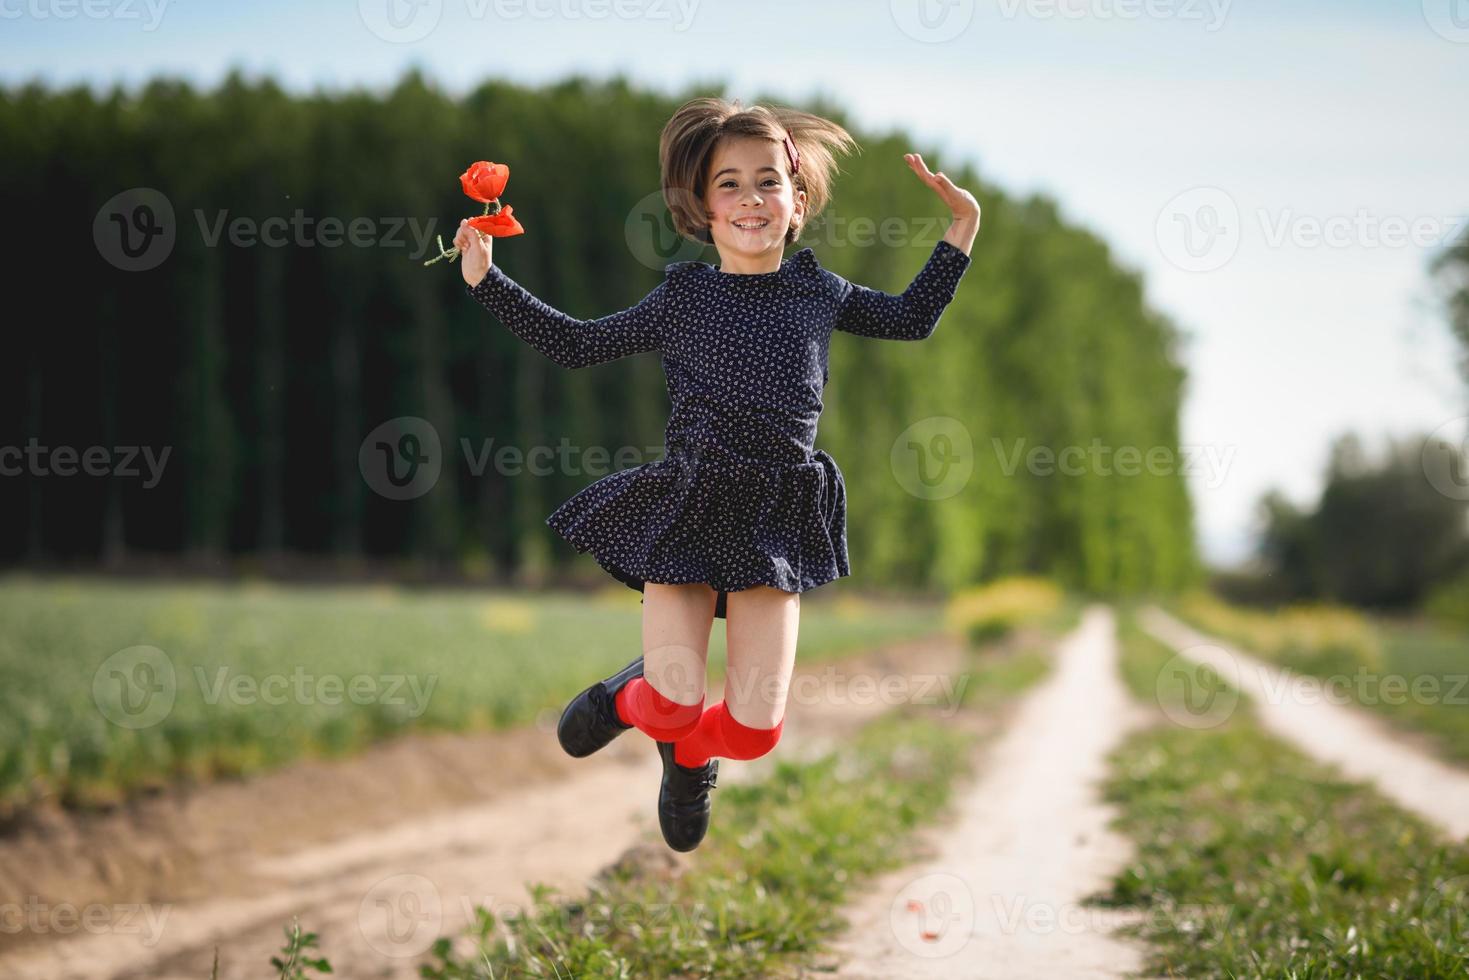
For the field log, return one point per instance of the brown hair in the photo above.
(686, 149)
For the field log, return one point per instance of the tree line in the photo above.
(290, 315)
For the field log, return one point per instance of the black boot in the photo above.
(590, 721)
(683, 800)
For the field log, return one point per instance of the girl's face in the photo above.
(751, 202)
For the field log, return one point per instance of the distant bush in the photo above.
(987, 612)
(1449, 602)
(1312, 638)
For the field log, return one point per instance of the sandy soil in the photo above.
(1320, 721)
(1001, 894)
(380, 853)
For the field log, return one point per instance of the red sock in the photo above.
(718, 734)
(640, 704)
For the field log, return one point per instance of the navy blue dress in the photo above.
(739, 498)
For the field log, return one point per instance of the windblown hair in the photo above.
(686, 150)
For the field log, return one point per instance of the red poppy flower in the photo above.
(484, 181)
(499, 225)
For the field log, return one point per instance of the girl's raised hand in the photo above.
(474, 252)
(960, 201)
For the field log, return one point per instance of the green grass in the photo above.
(1256, 861)
(1437, 661)
(260, 675)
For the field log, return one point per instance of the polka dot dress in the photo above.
(740, 498)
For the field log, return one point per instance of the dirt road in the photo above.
(1001, 897)
(1319, 720)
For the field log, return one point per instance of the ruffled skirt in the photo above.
(707, 517)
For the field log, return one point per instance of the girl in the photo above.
(741, 515)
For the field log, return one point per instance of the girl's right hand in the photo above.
(474, 252)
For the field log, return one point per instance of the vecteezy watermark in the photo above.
(37, 917)
(1211, 13)
(1449, 19)
(401, 915)
(1198, 687)
(1364, 687)
(838, 231)
(1445, 458)
(402, 458)
(1019, 914)
(1102, 460)
(139, 686)
(653, 919)
(571, 459)
(837, 686)
(653, 240)
(651, 237)
(136, 230)
(35, 459)
(407, 21)
(932, 21)
(933, 916)
(933, 458)
(150, 12)
(1200, 230)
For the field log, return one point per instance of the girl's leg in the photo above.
(761, 629)
(668, 700)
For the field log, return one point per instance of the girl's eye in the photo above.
(768, 180)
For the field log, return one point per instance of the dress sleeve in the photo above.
(913, 315)
(570, 342)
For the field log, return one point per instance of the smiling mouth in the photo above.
(751, 224)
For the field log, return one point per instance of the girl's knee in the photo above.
(744, 742)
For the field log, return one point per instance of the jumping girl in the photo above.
(741, 515)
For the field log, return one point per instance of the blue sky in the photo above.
(1150, 121)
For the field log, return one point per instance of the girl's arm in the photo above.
(914, 315)
(570, 342)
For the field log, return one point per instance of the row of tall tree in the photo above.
(260, 363)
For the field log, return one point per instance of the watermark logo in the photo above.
(400, 21)
(933, 458)
(90, 9)
(933, 916)
(39, 918)
(135, 229)
(1199, 230)
(932, 21)
(650, 235)
(136, 687)
(401, 916)
(1199, 688)
(1099, 459)
(1448, 18)
(1445, 458)
(402, 458)
(1211, 13)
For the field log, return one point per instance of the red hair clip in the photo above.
(793, 155)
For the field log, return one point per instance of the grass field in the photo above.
(107, 688)
(1437, 660)
(1255, 860)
